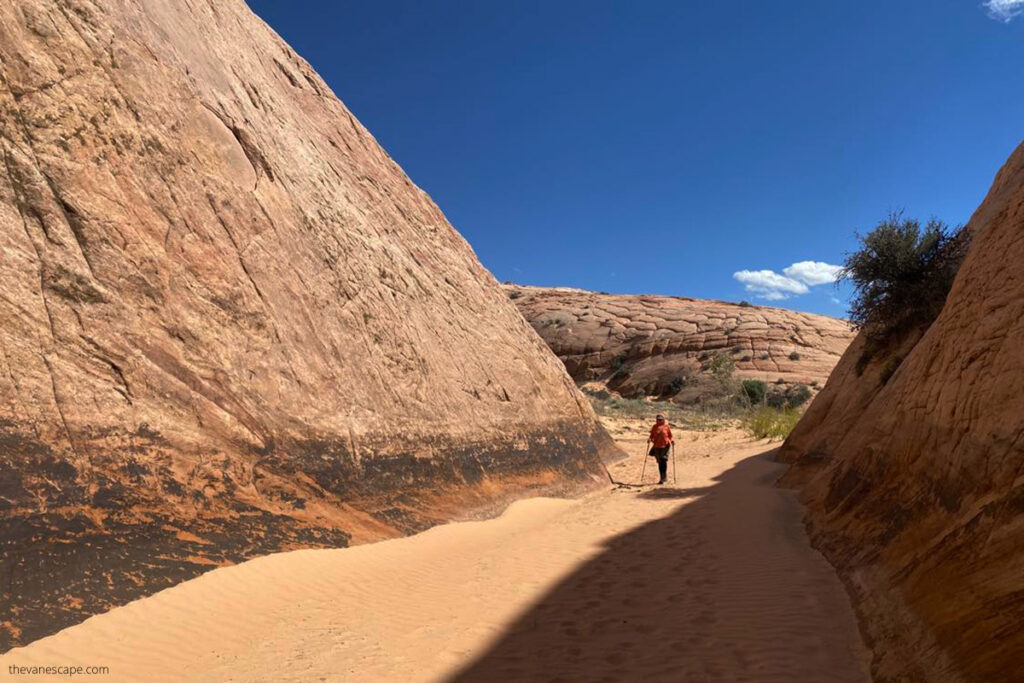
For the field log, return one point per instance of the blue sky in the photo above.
(669, 146)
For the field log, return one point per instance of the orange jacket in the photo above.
(661, 435)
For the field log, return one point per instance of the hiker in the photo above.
(661, 440)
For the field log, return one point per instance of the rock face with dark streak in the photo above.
(229, 323)
(911, 461)
(661, 346)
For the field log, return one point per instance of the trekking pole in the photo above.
(644, 468)
(673, 462)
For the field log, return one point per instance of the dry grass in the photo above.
(712, 418)
(770, 423)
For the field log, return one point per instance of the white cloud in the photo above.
(814, 272)
(768, 284)
(795, 280)
(1004, 10)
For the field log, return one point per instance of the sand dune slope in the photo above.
(710, 580)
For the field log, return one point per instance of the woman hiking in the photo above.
(661, 440)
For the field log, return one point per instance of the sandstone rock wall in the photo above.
(665, 343)
(912, 464)
(229, 323)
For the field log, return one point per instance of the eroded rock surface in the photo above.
(229, 323)
(662, 346)
(912, 463)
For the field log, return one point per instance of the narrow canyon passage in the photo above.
(710, 579)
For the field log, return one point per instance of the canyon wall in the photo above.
(229, 323)
(911, 461)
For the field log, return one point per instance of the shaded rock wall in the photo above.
(665, 343)
(913, 469)
(229, 323)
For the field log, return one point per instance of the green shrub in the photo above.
(795, 356)
(765, 356)
(753, 390)
(797, 396)
(902, 273)
(790, 398)
(738, 348)
(721, 368)
(745, 304)
(768, 423)
(746, 359)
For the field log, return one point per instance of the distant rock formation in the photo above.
(912, 463)
(231, 325)
(661, 346)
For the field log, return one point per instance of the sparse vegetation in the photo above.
(753, 391)
(745, 359)
(560, 320)
(721, 368)
(765, 356)
(619, 361)
(623, 371)
(598, 394)
(676, 385)
(795, 356)
(704, 419)
(798, 395)
(745, 304)
(764, 413)
(902, 274)
(770, 423)
(791, 398)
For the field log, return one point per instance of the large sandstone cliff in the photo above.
(229, 323)
(662, 346)
(912, 463)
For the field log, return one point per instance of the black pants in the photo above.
(661, 455)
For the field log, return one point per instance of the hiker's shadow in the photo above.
(668, 493)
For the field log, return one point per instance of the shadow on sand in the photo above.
(724, 588)
(669, 493)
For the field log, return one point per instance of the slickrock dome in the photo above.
(665, 343)
(229, 323)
